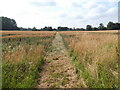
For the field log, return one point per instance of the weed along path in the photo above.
(58, 71)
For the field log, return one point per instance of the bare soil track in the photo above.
(58, 71)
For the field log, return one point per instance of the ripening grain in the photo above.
(23, 56)
(95, 56)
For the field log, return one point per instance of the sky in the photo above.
(66, 13)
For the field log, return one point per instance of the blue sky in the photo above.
(70, 13)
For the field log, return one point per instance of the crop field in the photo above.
(64, 59)
(22, 57)
(95, 57)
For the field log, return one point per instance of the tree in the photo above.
(63, 28)
(95, 28)
(117, 26)
(47, 29)
(8, 24)
(34, 29)
(110, 26)
(88, 27)
(113, 26)
(101, 27)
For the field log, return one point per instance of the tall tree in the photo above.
(117, 26)
(88, 27)
(101, 27)
(34, 29)
(110, 26)
(8, 24)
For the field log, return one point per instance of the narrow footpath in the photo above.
(58, 71)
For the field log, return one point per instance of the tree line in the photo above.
(10, 24)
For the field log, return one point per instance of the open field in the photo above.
(95, 57)
(18, 34)
(66, 59)
(25, 32)
(93, 32)
(5, 33)
(22, 58)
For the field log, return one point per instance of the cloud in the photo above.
(43, 3)
(71, 13)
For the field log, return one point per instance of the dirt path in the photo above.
(58, 72)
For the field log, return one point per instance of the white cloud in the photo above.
(72, 13)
